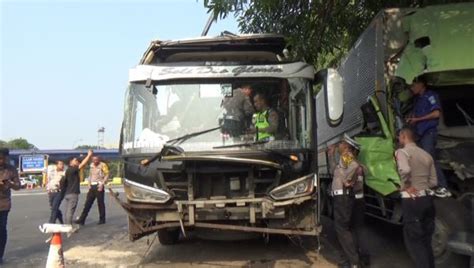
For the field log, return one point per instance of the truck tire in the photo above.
(450, 218)
(168, 236)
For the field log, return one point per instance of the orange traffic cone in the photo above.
(55, 256)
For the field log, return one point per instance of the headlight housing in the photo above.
(145, 194)
(296, 188)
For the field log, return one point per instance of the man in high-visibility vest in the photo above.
(265, 119)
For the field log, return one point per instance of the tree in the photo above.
(3, 144)
(19, 143)
(319, 31)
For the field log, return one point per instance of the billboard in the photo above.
(33, 163)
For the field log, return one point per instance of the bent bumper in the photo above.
(239, 214)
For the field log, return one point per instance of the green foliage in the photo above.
(18, 143)
(318, 31)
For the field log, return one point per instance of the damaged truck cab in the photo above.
(399, 45)
(187, 108)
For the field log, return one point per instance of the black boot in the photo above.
(80, 221)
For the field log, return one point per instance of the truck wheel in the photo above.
(168, 236)
(450, 218)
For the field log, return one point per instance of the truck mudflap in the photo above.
(145, 223)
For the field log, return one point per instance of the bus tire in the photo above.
(326, 202)
(168, 236)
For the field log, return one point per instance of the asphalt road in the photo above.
(107, 245)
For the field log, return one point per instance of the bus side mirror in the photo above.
(333, 95)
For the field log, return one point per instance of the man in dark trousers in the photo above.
(425, 119)
(98, 175)
(8, 180)
(418, 174)
(71, 188)
(55, 178)
(345, 176)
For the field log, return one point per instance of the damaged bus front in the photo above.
(211, 171)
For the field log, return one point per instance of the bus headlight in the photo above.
(145, 194)
(299, 187)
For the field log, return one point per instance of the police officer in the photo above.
(425, 119)
(418, 174)
(359, 209)
(265, 119)
(8, 180)
(239, 109)
(98, 175)
(342, 190)
(55, 178)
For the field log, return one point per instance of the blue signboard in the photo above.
(32, 163)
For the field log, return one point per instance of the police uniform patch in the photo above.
(432, 99)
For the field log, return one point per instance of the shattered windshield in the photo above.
(235, 113)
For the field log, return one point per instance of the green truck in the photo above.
(399, 45)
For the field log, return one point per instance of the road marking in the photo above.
(31, 193)
(25, 193)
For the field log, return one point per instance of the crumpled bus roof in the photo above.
(441, 44)
(267, 46)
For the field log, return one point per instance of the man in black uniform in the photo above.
(344, 178)
(418, 174)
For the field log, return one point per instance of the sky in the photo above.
(64, 64)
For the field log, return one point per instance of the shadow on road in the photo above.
(255, 252)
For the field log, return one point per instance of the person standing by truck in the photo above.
(98, 175)
(55, 176)
(418, 174)
(346, 173)
(425, 119)
(71, 186)
(8, 180)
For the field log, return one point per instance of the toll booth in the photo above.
(34, 164)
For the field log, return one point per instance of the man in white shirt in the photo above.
(55, 175)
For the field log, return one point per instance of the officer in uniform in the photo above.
(239, 109)
(418, 174)
(265, 119)
(98, 175)
(359, 209)
(344, 185)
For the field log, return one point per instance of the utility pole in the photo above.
(100, 137)
(237, 5)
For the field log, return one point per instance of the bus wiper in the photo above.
(171, 147)
(248, 144)
(183, 138)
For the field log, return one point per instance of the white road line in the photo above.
(28, 193)
(25, 193)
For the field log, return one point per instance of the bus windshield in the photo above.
(159, 114)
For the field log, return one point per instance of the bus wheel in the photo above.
(326, 202)
(168, 236)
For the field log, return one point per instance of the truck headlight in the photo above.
(299, 187)
(142, 193)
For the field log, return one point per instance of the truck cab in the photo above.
(398, 46)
